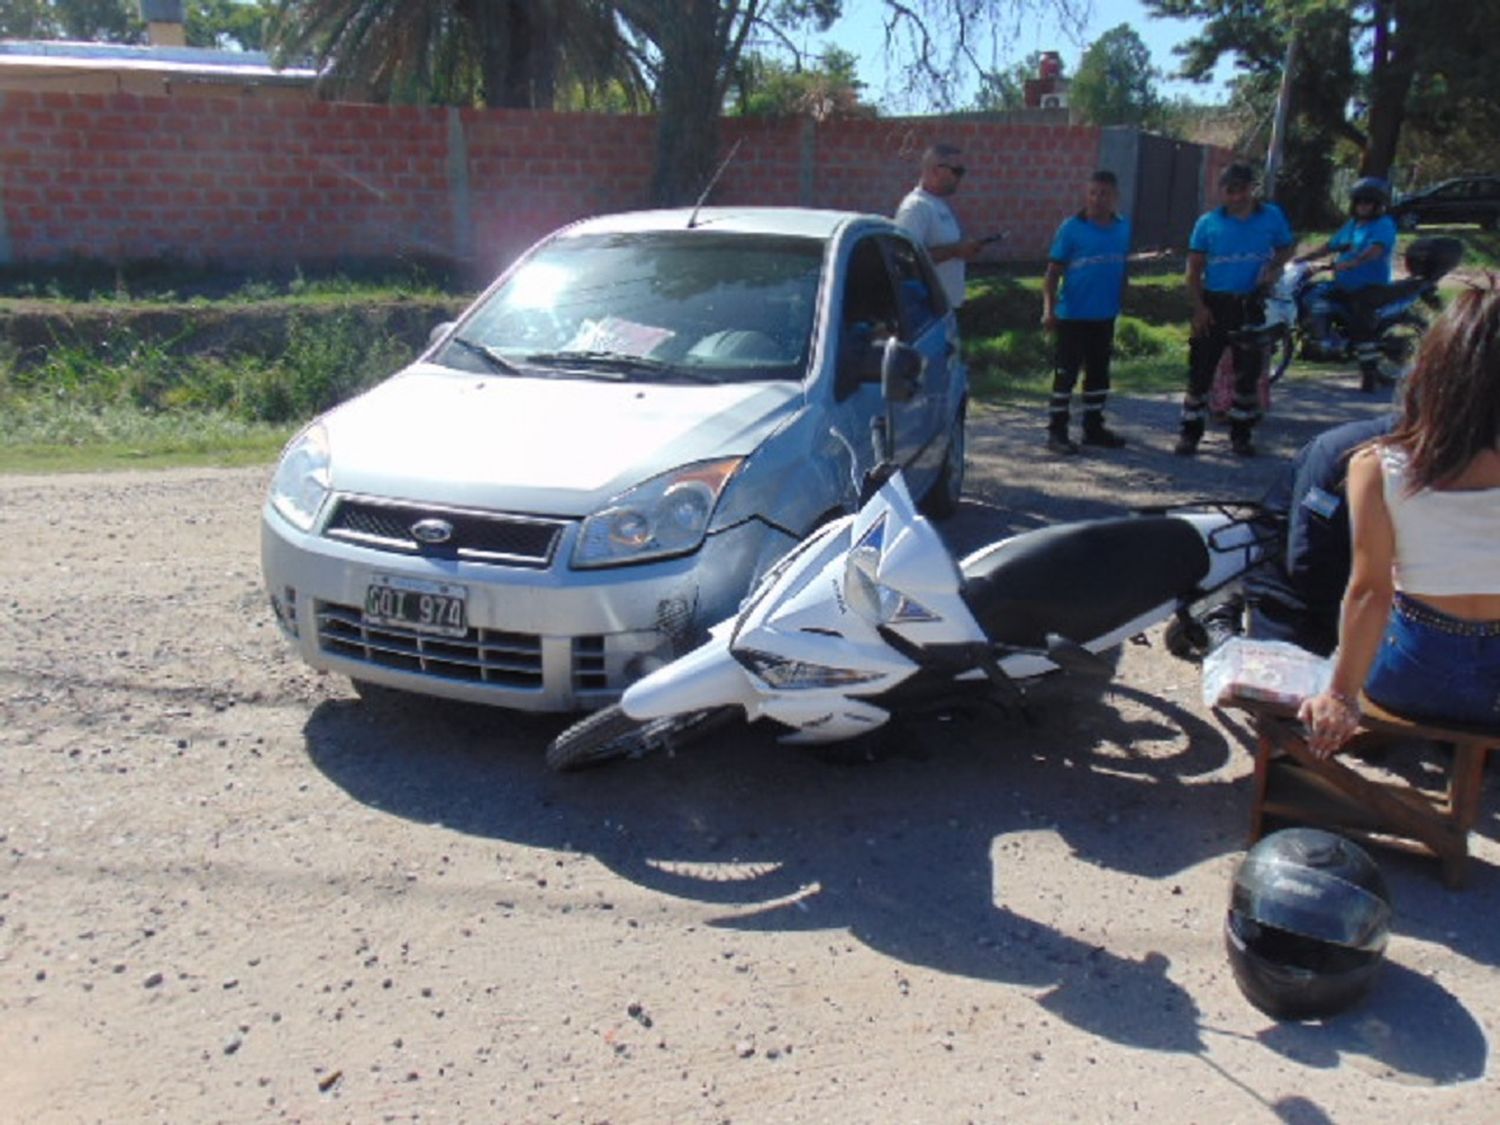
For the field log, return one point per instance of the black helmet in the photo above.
(1309, 915)
(1372, 189)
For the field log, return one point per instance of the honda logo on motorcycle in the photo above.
(432, 532)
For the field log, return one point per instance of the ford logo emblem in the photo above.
(432, 532)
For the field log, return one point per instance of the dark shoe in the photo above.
(1242, 445)
(1102, 436)
(1060, 444)
(1187, 445)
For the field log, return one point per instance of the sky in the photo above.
(861, 31)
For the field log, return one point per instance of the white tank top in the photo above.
(1447, 542)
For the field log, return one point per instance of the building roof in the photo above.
(185, 62)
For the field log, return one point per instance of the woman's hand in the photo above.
(1330, 718)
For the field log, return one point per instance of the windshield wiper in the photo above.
(492, 357)
(619, 365)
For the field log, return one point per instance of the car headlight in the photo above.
(303, 478)
(667, 515)
(798, 675)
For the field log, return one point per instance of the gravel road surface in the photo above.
(235, 891)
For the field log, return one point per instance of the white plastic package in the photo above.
(1244, 669)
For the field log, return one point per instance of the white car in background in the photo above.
(592, 465)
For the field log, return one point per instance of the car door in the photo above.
(869, 312)
(927, 325)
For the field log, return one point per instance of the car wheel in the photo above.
(1490, 221)
(942, 498)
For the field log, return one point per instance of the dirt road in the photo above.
(233, 891)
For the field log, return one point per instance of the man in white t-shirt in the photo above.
(925, 214)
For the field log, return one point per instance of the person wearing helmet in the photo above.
(1362, 249)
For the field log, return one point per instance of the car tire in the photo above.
(943, 497)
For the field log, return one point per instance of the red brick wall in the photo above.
(242, 181)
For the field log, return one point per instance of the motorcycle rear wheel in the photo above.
(1398, 346)
(609, 734)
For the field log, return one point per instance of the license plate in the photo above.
(427, 607)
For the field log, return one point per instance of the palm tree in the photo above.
(499, 53)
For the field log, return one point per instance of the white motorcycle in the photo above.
(870, 616)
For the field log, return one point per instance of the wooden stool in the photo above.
(1326, 792)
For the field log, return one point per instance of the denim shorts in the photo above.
(1437, 668)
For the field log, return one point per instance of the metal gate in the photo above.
(1168, 183)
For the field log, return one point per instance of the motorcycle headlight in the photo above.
(665, 516)
(303, 478)
(797, 675)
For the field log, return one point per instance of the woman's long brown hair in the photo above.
(1451, 408)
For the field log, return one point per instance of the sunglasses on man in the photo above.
(956, 169)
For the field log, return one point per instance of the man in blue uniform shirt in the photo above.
(1088, 257)
(1235, 253)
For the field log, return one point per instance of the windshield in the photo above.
(690, 305)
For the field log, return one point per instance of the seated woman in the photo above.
(1420, 626)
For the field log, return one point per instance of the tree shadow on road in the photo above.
(915, 853)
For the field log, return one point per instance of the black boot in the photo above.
(1095, 432)
(1188, 439)
(1059, 442)
(1239, 440)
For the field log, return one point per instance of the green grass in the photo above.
(133, 401)
(120, 399)
(1010, 357)
(169, 282)
(129, 440)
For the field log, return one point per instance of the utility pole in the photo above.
(1278, 123)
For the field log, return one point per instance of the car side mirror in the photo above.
(439, 331)
(900, 371)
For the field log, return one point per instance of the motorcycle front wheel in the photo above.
(1280, 351)
(609, 734)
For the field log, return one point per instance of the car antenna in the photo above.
(712, 180)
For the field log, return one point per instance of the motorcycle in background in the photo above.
(870, 616)
(1392, 323)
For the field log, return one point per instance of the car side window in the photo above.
(868, 315)
(918, 292)
(869, 298)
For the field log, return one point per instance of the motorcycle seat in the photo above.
(1378, 296)
(1081, 580)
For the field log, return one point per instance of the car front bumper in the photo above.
(537, 639)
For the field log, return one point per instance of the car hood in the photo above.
(539, 445)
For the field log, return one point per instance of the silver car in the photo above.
(594, 463)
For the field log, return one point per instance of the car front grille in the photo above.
(475, 536)
(482, 656)
(479, 656)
